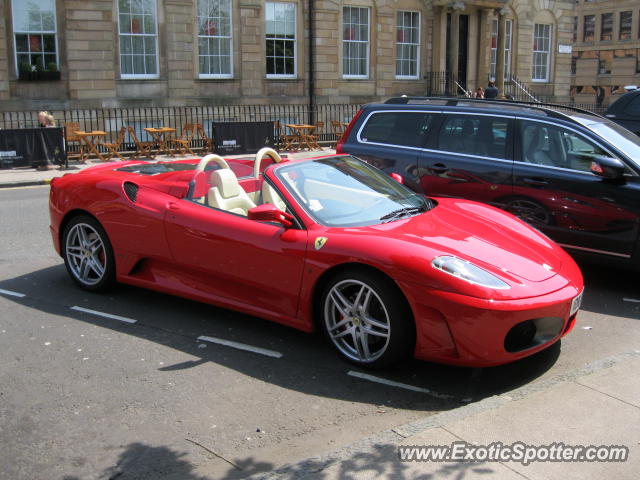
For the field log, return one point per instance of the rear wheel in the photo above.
(366, 318)
(87, 253)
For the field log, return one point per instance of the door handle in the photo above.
(439, 168)
(173, 206)
(535, 182)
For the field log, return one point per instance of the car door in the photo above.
(392, 140)
(469, 156)
(254, 265)
(555, 190)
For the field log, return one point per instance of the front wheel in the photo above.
(367, 319)
(87, 254)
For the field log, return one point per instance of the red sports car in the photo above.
(329, 243)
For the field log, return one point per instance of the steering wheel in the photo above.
(260, 155)
(211, 157)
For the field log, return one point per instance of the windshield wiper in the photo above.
(402, 212)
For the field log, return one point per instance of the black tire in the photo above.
(88, 254)
(370, 334)
(529, 210)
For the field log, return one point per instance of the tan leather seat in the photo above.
(227, 194)
(269, 195)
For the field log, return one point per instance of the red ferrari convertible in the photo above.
(329, 243)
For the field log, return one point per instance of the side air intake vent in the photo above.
(131, 189)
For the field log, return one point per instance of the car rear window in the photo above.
(397, 128)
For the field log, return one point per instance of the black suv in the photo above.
(570, 173)
(626, 111)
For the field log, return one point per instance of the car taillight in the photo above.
(346, 133)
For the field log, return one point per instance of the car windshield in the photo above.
(344, 191)
(625, 140)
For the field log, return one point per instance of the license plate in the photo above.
(575, 304)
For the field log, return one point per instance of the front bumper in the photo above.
(462, 330)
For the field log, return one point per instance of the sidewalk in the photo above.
(596, 405)
(24, 177)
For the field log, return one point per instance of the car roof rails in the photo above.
(547, 108)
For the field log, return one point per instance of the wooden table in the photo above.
(303, 133)
(161, 137)
(89, 141)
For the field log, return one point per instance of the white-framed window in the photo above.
(35, 35)
(541, 52)
(355, 42)
(138, 35)
(507, 47)
(215, 39)
(407, 44)
(280, 29)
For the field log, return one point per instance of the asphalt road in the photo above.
(139, 393)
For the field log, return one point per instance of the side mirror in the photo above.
(607, 167)
(397, 177)
(270, 213)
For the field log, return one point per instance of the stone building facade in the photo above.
(119, 53)
(606, 54)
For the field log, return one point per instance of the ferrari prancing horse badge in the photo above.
(320, 241)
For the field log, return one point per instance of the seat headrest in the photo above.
(226, 182)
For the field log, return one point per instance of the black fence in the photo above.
(110, 120)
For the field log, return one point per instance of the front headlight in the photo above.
(468, 272)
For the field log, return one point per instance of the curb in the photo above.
(26, 183)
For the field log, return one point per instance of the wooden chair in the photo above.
(113, 148)
(142, 148)
(315, 135)
(207, 143)
(338, 130)
(71, 139)
(285, 141)
(184, 142)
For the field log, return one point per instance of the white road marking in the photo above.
(391, 383)
(12, 294)
(241, 346)
(105, 315)
(632, 300)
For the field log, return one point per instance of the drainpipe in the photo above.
(312, 73)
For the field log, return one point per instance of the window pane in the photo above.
(150, 64)
(137, 27)
(34, 24)
(355, 41)
(22, 44)
(214, 31)
(407, 43)
(280, 38)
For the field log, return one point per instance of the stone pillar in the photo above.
(90, 48)
(4, 55)
(502, 37)
(454, 44)
(182, 64)
(328, 52)
(252, 47)
(484, 48)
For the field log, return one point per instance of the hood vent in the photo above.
(131, 189)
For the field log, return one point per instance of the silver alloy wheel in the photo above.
(86, 254)
(357, 321)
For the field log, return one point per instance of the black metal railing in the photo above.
(110, 120)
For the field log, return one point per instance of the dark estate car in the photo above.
(626, 111)
(570, 173)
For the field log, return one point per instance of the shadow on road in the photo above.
(309, 364)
